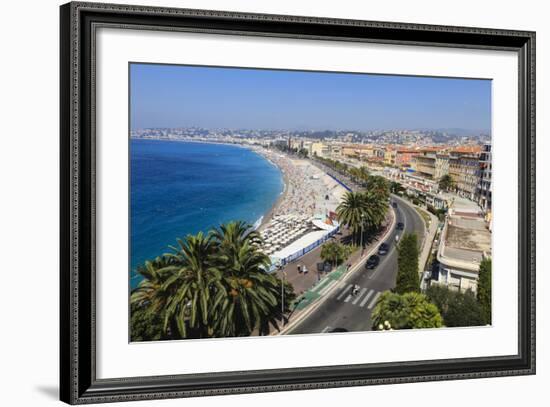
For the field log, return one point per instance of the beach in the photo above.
(183, 188)
(306, 188)
(304, 213)
(179, 188)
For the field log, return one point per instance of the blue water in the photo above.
(179, 188)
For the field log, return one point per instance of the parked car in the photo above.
(383, 249)
(400, 226)
(372, 262)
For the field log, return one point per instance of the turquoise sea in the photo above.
(181, 188)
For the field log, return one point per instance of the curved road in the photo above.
(344, 312)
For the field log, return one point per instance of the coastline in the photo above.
(303, 183)
(155, 225)
(268, 216)
(308, 190)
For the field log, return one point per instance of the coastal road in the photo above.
(343, 312)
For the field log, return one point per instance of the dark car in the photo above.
(372, 262)
(338, 330)
(400, 226)
(383, 249)
(394, 204)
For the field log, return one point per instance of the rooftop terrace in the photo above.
(466, 240)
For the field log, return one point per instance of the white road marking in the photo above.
(344, 292)
(349, 297)
(366, 298)
(359, 296)
(371, 305)
(325, 330)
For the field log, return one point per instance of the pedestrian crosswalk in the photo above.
(365, 297)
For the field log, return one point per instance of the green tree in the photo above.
(253, 302)
(363, 174)
(335, 252)
(406, 311)
(446, 182)
(484, 289)
(456, 308)
(195, 286)
(213, 285)
(351, 211)
(355, 174)
(376, 206)
(146, 325)
(149, 300)
(408, 279)
(378, 185)
(396, 188)
(363, 210)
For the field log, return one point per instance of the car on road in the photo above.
(383, 249)
(338, 330)
(400, 226)
(372, 262)
(394, 204)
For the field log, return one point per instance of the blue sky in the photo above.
(210, 97)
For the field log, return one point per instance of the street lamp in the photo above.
(362, 223)
(282, 294)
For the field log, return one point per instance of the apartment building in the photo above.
(464, 171)
(424, 164)
(484, 188)
(441, 166)
(320, 149)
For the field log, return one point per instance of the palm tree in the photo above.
(214, 285)
(148, 293)
(363, 173)
(195, 286)
(355, 174)
(333, 252)
(351, 211)
(149, 299)
(376, 207)
(233, 235)
(253, 301)
(378, 185)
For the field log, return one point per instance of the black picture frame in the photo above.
(78, 382)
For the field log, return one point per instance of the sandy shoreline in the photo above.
(268, 216)
(307, 190)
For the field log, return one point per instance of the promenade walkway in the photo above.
(304, 281)
(313, 285)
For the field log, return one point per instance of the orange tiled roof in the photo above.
(467, 149)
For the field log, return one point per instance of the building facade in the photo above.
(424, 164)
(403, 157)
(320, 149)
(441, 166)
(464, 171)
(484, 188)
(389, 157)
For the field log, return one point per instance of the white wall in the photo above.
(29, 200)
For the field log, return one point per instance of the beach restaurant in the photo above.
(323, 228)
